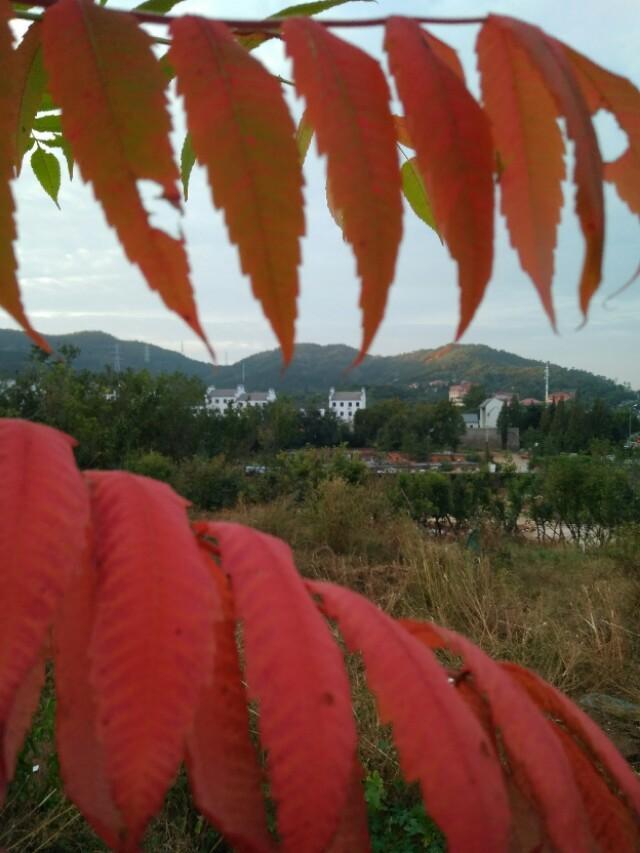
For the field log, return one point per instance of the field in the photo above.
(568, 613)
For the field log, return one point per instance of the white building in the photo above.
(345, 404)
(471, 420)
(490, 412)
(457, 393)
(221, 399)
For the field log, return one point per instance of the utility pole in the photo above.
(546, 383)
(116, 359)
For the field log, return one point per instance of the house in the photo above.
(505, 396)
(561, 396)
(457, 393)
(530, 401)
(221, 399)
(490, 412)
(345, 404)
(471, 420)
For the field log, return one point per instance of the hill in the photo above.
(316, 368)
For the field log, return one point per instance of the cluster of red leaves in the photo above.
(102, 72)
(140, 614)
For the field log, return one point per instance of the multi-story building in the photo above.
(345, 404)
(221, 399)
(457, 393)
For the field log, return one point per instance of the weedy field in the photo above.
(569, 614)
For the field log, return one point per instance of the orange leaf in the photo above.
(445, 53)
(81, 755)
(526, 133)
(295, 671)
(603, 90)
(9, 289)
(347, 98)
(103, 73)
(224, 773)
(241, 130)
(454, 152)
(582, 727)
(528, 739)
(24, 706)
(440, 742)
(402, 134)
(152, 641)
(557, 74)
(43, 517)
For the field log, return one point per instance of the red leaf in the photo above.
(353, 832)
(528, 739)
(526, 133)
(242, 131)
(43, 516)
(556, 72)
(613, 827)
(295, 671)
(347, 99)
(224, 773)
(603, 90)
(103, 73)
(24, 706)
(559, 708)
(439, 740)
(454, 152)
(152, 641)
(9, 289)
(445, 53)
(81, 755)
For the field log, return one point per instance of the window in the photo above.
(357, 405)
(350, 404)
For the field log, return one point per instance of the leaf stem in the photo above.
(269, 26)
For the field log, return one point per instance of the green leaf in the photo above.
(32, 81)
(47, 170)
(304, 135)
(166, 66)
(187, 161)
(416, 194)
(62, 143)
(160, 7)
(47, 105)
(48, 124)
(313, 8)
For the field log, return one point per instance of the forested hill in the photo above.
(315, 368)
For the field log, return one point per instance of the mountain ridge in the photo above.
(316, 367)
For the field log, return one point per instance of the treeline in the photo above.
(415, 429)
(568, 427)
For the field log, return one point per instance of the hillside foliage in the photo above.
(165, 635)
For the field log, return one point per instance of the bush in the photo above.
(153, 464)
(210, 484)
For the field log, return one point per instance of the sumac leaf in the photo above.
(526, 133)
(101, 67)
(454, 152)
(295, 671)
(224, 772)
(152, 642)
(553, 66)
(80, 752)
(440, 742)
(528, 740)
(47, 170)
(603, 90)
(243, 134)
(48, 123)
(416, 194)
(31, 81)
(43, 519)
(60, 143)
(187, 162)
(347, 99)
(9, 99)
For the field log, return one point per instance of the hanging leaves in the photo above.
(149, 662)
(31, 81)
(347, 101)
(47, 170)
(553, 66)
(9, 289)
(99, 62)
(43, 519)
(241, 131)
(454, 152)
(526, 134)
(416, 194)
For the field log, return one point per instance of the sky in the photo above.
(74, 275)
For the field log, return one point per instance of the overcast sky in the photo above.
(75, 277)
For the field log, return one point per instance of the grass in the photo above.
(568, 614)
